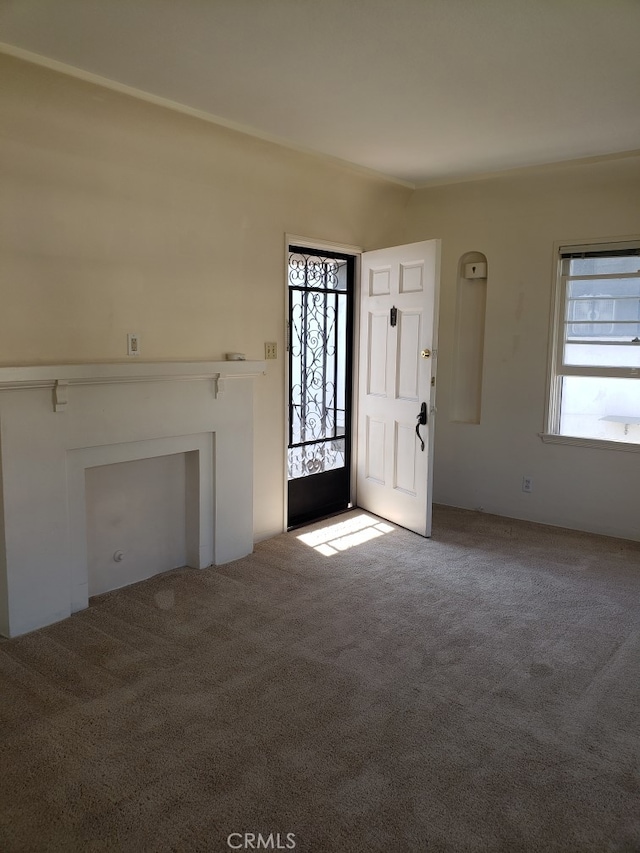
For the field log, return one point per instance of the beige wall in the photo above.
(514, 220)
(118, 216)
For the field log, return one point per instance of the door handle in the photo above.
(422, 420)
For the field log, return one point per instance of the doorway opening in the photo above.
(321, 286)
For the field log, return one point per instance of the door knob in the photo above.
(426, 353)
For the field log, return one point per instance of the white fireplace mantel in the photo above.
(56, 421)
(61, 376)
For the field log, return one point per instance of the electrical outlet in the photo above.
(527, 484)
(133, 344)
(271, 350)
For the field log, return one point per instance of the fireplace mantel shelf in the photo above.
(60, 376)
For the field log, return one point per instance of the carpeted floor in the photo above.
(479, 691)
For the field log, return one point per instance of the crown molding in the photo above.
(523, 171)
(237, 127)
(193, 112)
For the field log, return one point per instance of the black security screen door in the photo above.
(321, 286)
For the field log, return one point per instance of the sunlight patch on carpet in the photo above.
(333, 538)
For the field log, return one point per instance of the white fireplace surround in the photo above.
(57, 421)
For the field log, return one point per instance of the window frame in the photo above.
(556, 370)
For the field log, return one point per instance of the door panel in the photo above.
(411, 278)
(407, 368)
(405, 459)
(379, 281)
(377, 360)
(394, 475)
(375, 456)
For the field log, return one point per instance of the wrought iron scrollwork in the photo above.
(317, 316)
(316, 271)
(315, 459)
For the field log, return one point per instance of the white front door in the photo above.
(398, 327)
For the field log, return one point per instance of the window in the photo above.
(595, 363)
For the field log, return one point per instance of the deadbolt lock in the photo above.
(426, 353)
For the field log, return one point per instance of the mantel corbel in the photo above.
(219, 385)
(60, 395)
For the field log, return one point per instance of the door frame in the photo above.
(345, 249)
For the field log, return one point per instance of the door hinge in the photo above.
(393, 316)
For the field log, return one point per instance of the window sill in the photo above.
(594, 443)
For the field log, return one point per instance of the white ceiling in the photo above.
(421, 90)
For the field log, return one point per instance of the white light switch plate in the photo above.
(133, 344)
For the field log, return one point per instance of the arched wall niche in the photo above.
(471, 301)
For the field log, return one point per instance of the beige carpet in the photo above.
(479, 691)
